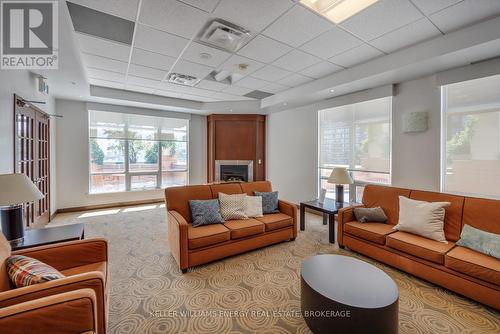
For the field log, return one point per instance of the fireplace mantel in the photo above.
(236, 138)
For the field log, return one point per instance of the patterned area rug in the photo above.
(256, 292)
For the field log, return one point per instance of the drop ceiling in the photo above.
(290, 45)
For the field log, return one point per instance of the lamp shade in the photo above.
(340, 175)
(17, 189)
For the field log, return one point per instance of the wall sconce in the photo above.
(415, 121)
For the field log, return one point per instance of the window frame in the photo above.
(129, 174)
(351, 167)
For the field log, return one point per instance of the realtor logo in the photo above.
(29, 35)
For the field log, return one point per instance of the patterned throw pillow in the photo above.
(364, 215)
(481, 241)
(232, 206)
(205, 212)
(269, 201)
(24, 271)
(253, 207)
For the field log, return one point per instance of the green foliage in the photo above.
(151, 155)
(96, 153)
(171, 146)
(460, 143)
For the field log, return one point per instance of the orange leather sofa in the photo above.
(76, 303)
(191, 246)
(456, 268)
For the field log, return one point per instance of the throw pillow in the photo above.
(423, 218)
(269, 201)
(481, 241)
(205, 212)
(24, 271)
(232, 206)
(253, 206)
(364, 215)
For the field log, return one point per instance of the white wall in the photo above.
(22, 83)
(73, 166)
(292, 144)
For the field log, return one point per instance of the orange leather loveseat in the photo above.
(193, 246)
(459, 269)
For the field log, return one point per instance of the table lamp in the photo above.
(15, 190)
(339, 177)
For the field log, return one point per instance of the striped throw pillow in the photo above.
(24, 271)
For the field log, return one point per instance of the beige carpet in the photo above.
(261, 288)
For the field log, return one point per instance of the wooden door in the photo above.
(32, 156)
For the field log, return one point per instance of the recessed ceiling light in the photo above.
(285, 103)
(231, 110)
(338, 11)
(205, 55)
(332, 90)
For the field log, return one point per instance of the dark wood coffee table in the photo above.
(329, 209)
(50, 235)
(342, 294)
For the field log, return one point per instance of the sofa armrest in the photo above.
(69, 254)
(65, 313)
(91, 280)
(289, 209)
(345, 215)
(178, 238)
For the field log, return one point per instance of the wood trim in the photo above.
(236, 117)
(108, 205)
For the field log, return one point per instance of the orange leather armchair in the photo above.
(76, 303)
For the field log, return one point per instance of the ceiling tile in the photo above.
(189, 68)
(142, 81)
(381, 18)
(194, 50)
(103, 47)
(105, 83)
(274, 88)
(140, 89)
(410, 34)
(297, 26)
(356, 56)
(126, 9)
(211, 85)
(432, 6)
(206, 5)
(254, 15)
(158, 41)
(331, 43)
(270, 73)
(151, 59)
(320, 70)
(296, 60)
(294, 80)
(173, 17)
(232, 63)
(235, 90)
(105, 75)
(103, 63)
(264, 49)
(250, 82)
(465, 13)
(146, 72)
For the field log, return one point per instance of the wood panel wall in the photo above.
(237, 137)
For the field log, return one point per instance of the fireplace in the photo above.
(234, 170)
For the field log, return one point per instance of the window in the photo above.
(471, 137)
(136, 152)
(358, 137)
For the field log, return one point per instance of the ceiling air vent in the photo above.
(224, 35)
(183, 79)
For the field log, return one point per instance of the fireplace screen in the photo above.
(234, 170)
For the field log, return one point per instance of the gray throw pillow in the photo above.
(481, 241)
(269, 201)
(364, 215)
(205, 212)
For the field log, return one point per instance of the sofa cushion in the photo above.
(207, 235)
(482, 214)
(453, 213)
(241, 228)
(177, 198)
(274, 221)
(385, 197)
(226, 188)
(418, 246)
(371, 231)
(250, 187)
(475, 264)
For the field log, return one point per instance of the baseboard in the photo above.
(107, 206)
